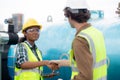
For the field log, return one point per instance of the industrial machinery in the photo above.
(8, 38)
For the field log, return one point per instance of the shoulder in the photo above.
(20, 47)
(79, 41)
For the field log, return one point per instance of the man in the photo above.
(28, 58)
(88, 53)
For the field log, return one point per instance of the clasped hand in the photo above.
(53, 66)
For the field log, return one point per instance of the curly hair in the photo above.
(79, 15)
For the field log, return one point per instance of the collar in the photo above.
(32, 47)
(83, 27)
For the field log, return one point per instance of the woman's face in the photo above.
(32, 33)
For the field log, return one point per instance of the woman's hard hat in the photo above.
(30, 22)
(77, 4)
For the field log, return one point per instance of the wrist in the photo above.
(45, 62)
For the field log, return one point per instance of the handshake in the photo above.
(55, 65)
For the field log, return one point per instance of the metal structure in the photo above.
(118, 9)
(1, 50)
(11, 36)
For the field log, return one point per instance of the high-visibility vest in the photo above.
(97, 47)
(29, 74)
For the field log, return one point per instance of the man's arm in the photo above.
(61, 62)
(83, 58)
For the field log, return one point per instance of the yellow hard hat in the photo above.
(30, 22)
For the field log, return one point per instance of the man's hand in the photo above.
(61, 62)
(53, 66)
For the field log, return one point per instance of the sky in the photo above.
(41, 9)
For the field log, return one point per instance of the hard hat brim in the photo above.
(39, 26)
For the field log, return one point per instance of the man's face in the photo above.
(32, 34)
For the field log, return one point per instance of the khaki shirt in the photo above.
(83, 58)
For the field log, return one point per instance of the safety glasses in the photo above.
(33, 30)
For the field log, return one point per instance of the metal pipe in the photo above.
(1, 50)
(0, 66)
(4, 38)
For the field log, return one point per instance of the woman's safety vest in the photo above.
(98, 50)
(29, 74)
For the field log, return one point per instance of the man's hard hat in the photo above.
(30, 22)
(77, 4)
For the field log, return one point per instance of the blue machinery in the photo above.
(55, 42)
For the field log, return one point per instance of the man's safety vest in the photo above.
(98, 50)
(29, 74)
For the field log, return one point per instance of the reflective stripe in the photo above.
(92, 47)
(27, 70)
(92, 50)
(33, 74)
(103, 62)
(95, 64)
(103, 78)
(98, 64)
(75, 69)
